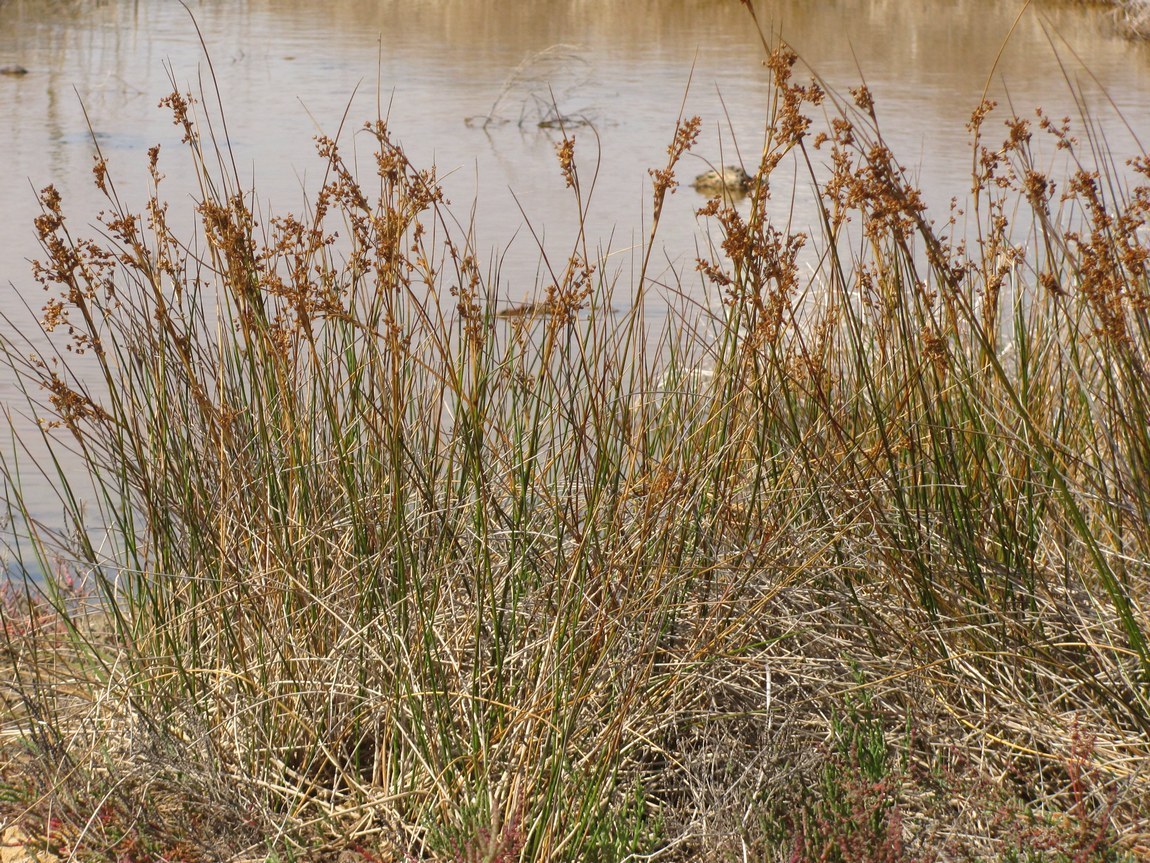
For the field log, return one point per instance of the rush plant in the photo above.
(365, 564)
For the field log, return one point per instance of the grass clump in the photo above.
(835, 573)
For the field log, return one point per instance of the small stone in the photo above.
(13, 70)
(731, 179)
(16, 847)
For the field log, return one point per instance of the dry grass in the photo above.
(854, 570)
(1132, 17)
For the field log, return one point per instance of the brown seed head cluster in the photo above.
(180, 105)
(686, 134)
(790, 123)
(567, 298)
(566, 152)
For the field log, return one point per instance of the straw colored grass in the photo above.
(1132, 17)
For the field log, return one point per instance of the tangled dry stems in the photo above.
(1132, 17)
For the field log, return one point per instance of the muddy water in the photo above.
(465, 84)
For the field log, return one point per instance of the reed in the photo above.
(371, 567)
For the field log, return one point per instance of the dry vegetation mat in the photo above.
(853, 567)
(1132, 17)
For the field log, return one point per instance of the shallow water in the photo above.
(288, 69)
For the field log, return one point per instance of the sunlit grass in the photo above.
(371, 565)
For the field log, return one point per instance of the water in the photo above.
(288, 70)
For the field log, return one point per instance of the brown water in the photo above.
(288, 69)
